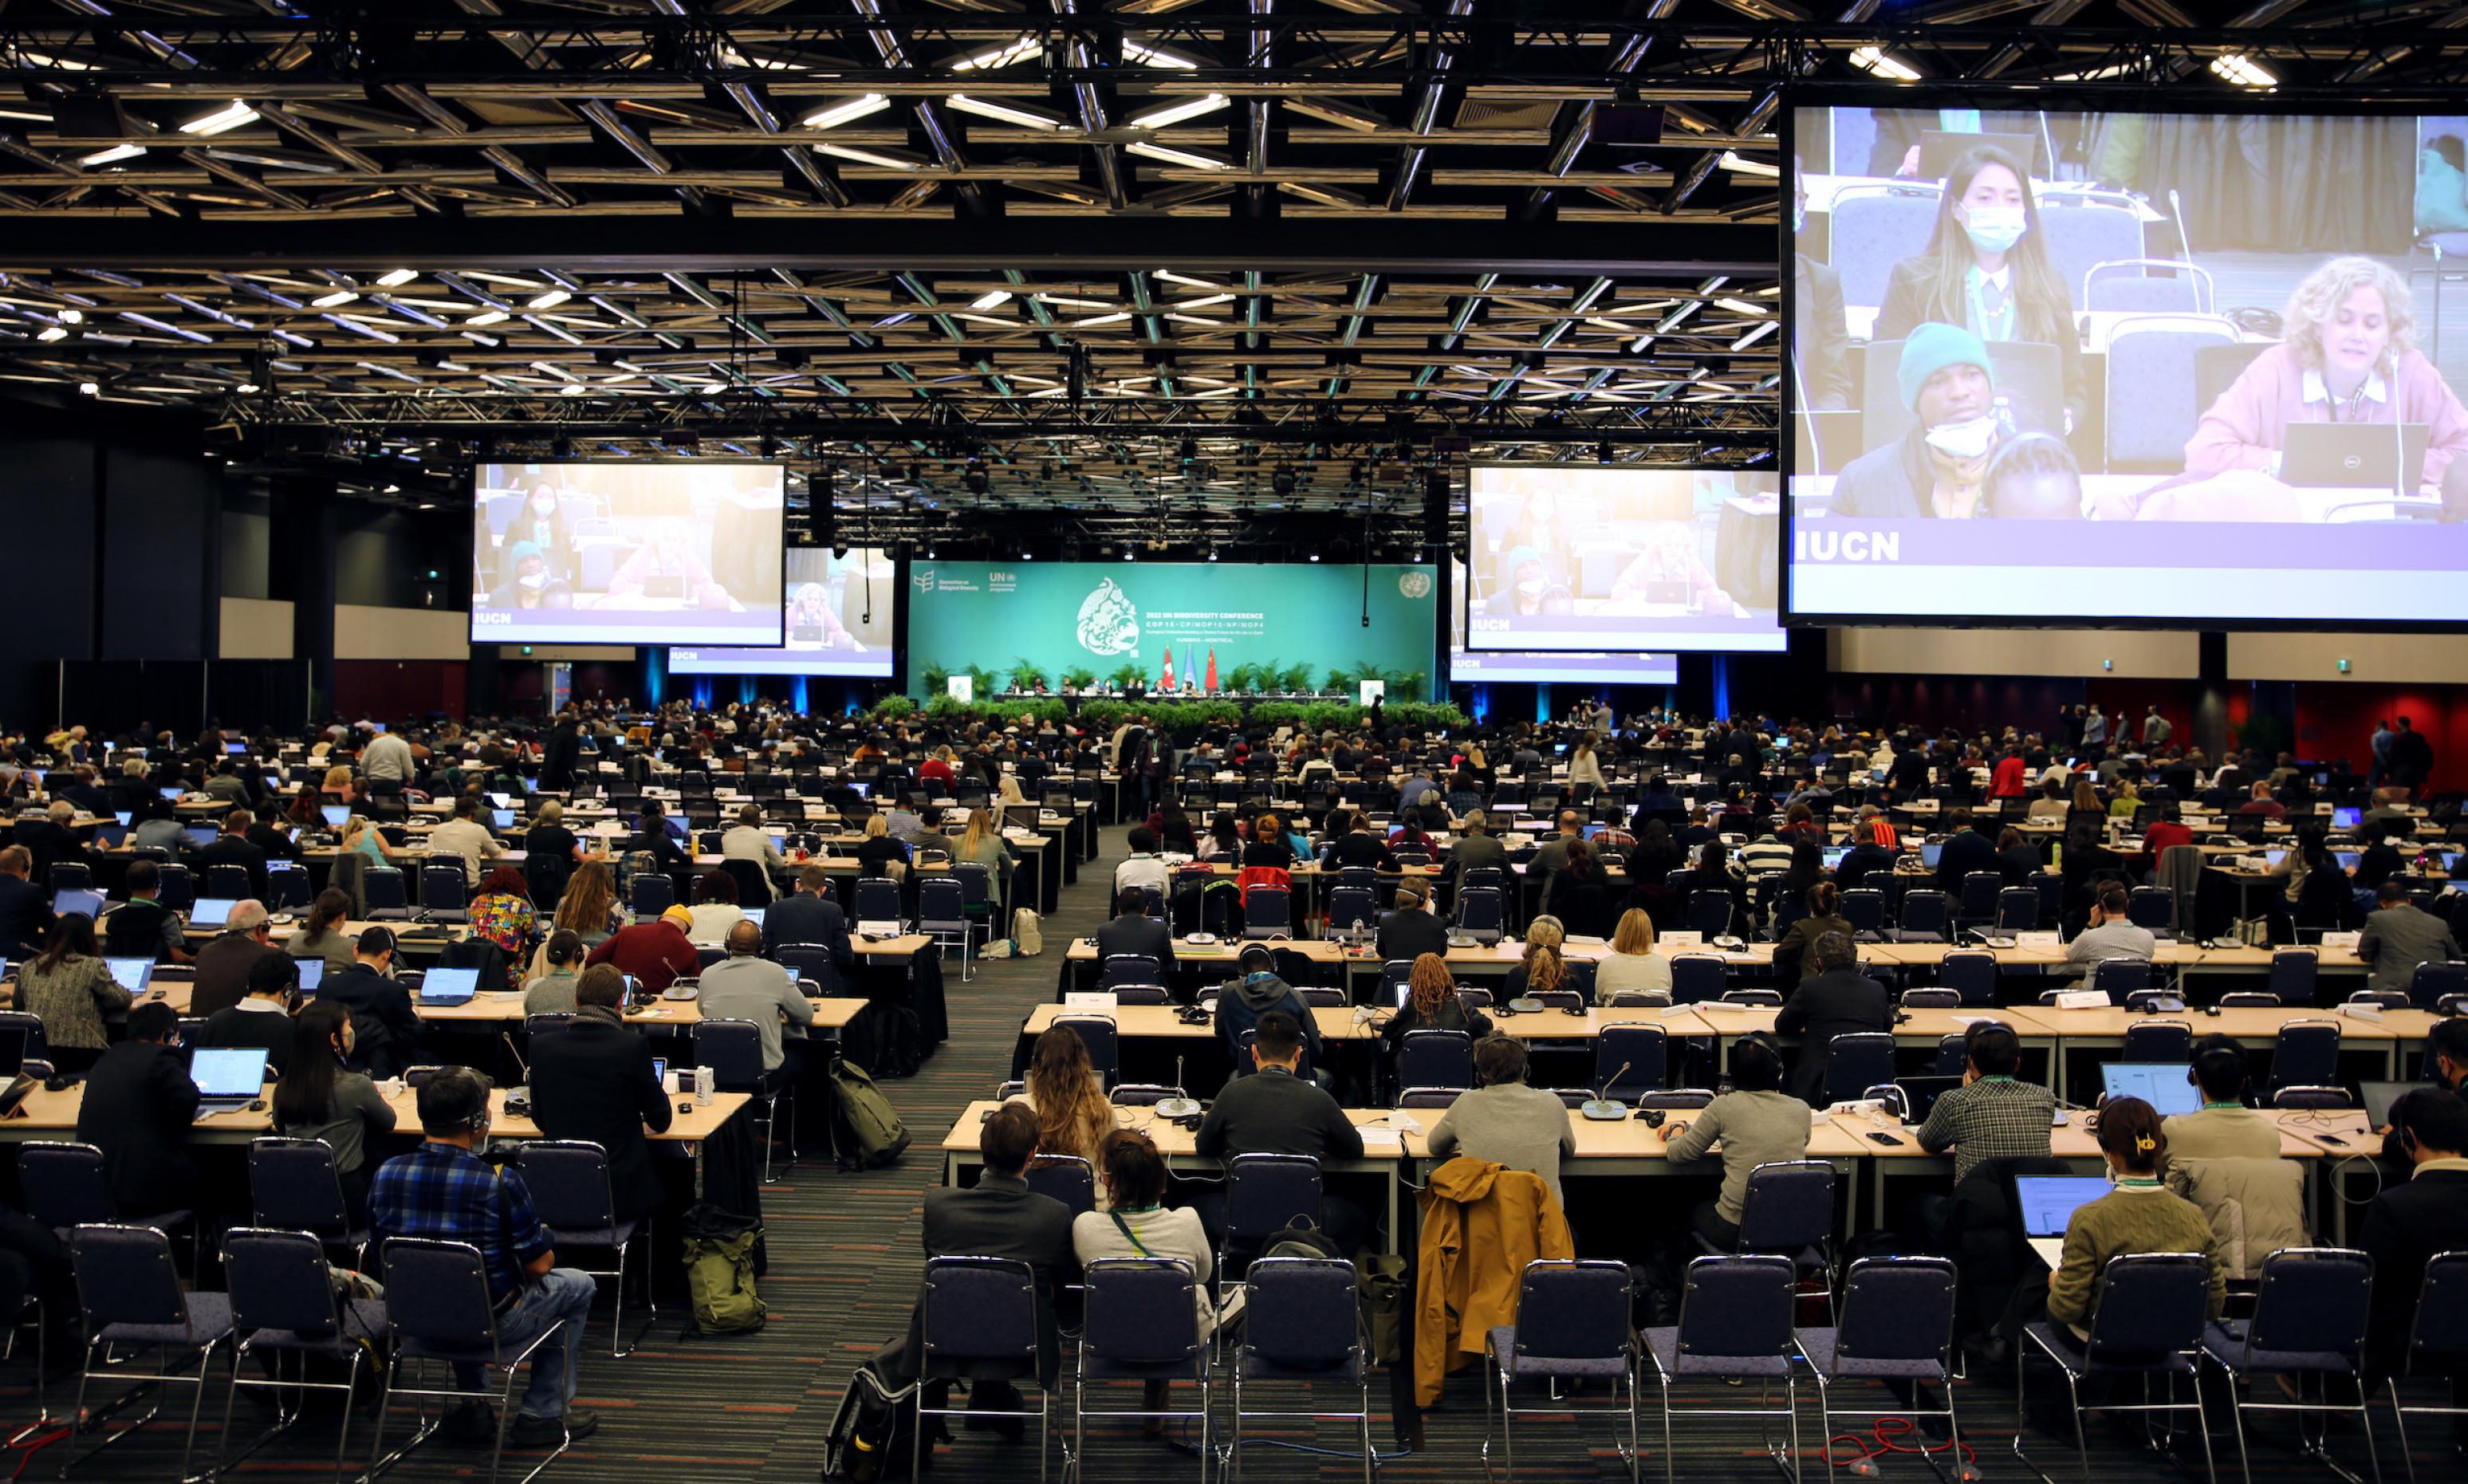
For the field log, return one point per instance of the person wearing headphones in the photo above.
(2141, 1215)
(1412, 931)
(387, 1026)
(2223, 1128)
(443, 1191)
(2409, 1222)
(2447, 1047)
(1756, 1123)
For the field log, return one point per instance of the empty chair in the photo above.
(1121, 968)
(388, 898)
(64, 1187)
(2158, 1040)
(1856, 1062)
(570, 1190)
(2149, 1326)
(2305, 1054)
(2119, 978)
(1301, 1326)
(1978, 902)
(2152, 907)
(2432, 981)
(1443, 1097)
(1436, 1059)
(1268, 912)
(2332, 1099)
(1758, 999)
(1971, 975)
(1572, 1324)
(2017, 909)
(73, 876)
(1265, 1193)
(1931, 997)
(733, 1050)
(811, 963)
(1952, 1052)
(1066, 1177)
(1697, 976)
(293, 1185)
(1631, 1060)
(2293, 975)
(1787, 1211)
(444, 892)
(1353, 909)
(1896, 1326)
(2309, 1318)
(978, 1318)
(1711, 913)
(2250, 999)
(2148, 285)
(1480, 913)
(228, 883)
(878, 900)
(1105, 1047)
(1924, 917)
(2437, 1345)
(1863, 908)
(651, 893)
(129, 1294)
(1735, 1321)
(943, 915)
(175, 887)
(1142, 1324)
(2151, 405)
(283, 1304)
(1873, 228)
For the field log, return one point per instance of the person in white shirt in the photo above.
(386, 760)
(715, 909)
(1633, 967)
(1145, 867)
(748, 840)
(2109, 935)
(466, 836)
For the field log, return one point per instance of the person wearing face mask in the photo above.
(1938, 467)
(1821, 339)
(1986, 269)
(526, 578)
(542, 523)
(1530, 588)
(320, 1097)
(2350, 356)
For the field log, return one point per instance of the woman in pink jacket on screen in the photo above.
(2350, 356)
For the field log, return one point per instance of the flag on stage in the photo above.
(1167, 684)
(1212, 670)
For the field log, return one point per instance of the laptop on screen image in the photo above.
(2161, 1083)
(68, 900)
(2384, 458)
(132, 975)
(449, 986)
(2048, 1203)
(227, 1077)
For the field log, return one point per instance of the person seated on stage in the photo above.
(2350, 356)
(1937, 468)
(1756, 1123)
(1503, 1120)
(1987, 269)
(667, 560)
(1991, 1115)
(2223, 1128)
(2141, 1215)
(1276, 1110)
(1669, 564)
(810, 608)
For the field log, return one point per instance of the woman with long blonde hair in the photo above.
(1073, 1116)
(1632, 966)
(1541, 970)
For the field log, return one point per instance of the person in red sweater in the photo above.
(656, 953)
(2011, 778)
(936, 770)
(2164, 833)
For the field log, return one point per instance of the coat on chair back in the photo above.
(1482, 1222)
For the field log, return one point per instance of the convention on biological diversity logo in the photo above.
(1414, 582)
(1108, 623)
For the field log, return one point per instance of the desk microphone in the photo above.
(1181, 1105)
(508, 1038)
(1602, 1107)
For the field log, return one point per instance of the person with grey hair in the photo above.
(1837, 999)
(748, 840)
(225, 962)
(749, 987)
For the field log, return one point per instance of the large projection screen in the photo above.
(840, 615)
(2160, 369)
(633, 551)
(1470, 667)
(1620, 559)
(1183, 618)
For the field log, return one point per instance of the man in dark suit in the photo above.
(225, 961)
(232, 848)
(25, 906)
(807, 916)
(593, 1081)
(263, 1017)
(1966, 850)
(268, 835)
(997, 1217)
(1132, 930)
(386, 1030)
(1277, 1111)
(50, 839)
(2408, 1224)
(138, 1106)
(1411, 930)
(1838, 999)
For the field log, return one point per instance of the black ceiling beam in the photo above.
(827, 243)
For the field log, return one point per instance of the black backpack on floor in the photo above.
(872, 1431)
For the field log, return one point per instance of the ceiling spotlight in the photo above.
(398, 278)
(246, 388)
(1127, 555)
(833, 115)
(974, 478)
(1314, 555)
(1190, 449)
(1603, 451)
(1212, 554)
(73, 316)
(1282, 482)
(90, 388)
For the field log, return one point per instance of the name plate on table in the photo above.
(1921, 806)
(1088, 999)
(1680, 940)
(878, 929)
(2048, 942)
(2083, 999)
(2342, 941)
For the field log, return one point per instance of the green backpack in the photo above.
(720, 1271)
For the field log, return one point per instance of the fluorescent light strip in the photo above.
(1177, 112)
(549, 300)
(398, 278)
(1004, 113)
(998, 56)
(865, 157)
(221, 121)
(833, 115)
(113, 155)
(1157, 152)
(987, 301)
(330, 301)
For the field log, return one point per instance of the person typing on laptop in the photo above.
(2141, 1215)
(137, 1108)
(387, 1028)
(2223, 1127)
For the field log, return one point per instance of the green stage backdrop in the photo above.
(1101, 617)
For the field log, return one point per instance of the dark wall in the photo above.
(53, 505)
(160, 562)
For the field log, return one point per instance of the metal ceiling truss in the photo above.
(1115, 253)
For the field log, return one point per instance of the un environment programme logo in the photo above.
(1108, 623)
(1415, 584)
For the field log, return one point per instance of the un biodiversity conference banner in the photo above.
(1104, 616)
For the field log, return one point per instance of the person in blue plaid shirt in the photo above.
(444, 1191)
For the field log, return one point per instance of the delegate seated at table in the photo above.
(2350, 356)
(666, 554)
(1939, 468)
(1669, 556)
(810, 608)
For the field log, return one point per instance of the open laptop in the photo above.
(2161, 1083)
(1920, 1095)
(805, 633)
(664, 587)
(211, 911)
(1930, 853)
(312, 973)
(227, 1077)
(1940, 147)
(2389, 456)
(2379, 1096)
(2347, 818)
(132, 975)
(174, 794)
(68, 900)
(202, 835)
(336, 815)
(2048, 1203)
(502, 818)
(449, 986)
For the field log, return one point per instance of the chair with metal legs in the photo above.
(2149, 1323)
(1301, 1325)
(1735, 1317)
(979, 1323)
(2309, 1319)
(439, 1312)
(130, 1295)
(282, 1304)
(1142, 1324)
(2438, 1344)
(1572, 1324)
(1897, 1327)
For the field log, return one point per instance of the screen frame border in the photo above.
(889, 553)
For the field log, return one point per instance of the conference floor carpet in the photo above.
(844, 1260)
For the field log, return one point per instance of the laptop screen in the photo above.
(449, 986)
(67, 901)
(2161, 1083)
(235, 749)
(1920, 1095)
(131, 974)
(503, 818)
(336, 815)
(2346, 818)
(1930, 852)
(228, 1071)
(2379, 1096)
(173, 794)
(1834, 855)
(312, 973)
(2347, 858)
(2048, 1201)
(211, 911)
(203, 834)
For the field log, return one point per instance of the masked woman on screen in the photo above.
(665, 566)
(1987, 270)
(2350, 356)
(542, 523)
